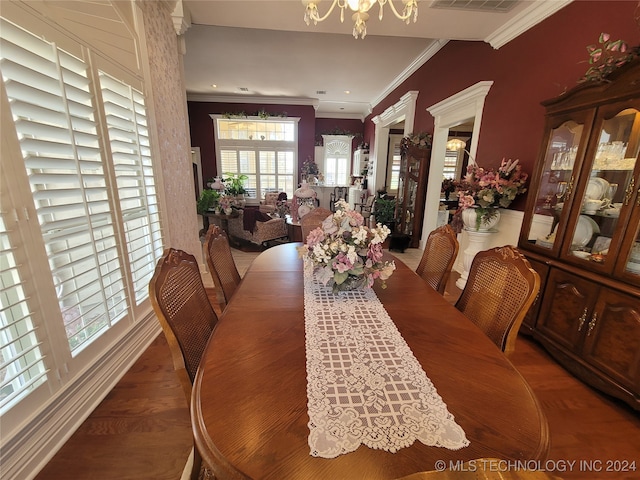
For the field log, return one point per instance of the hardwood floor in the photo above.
(142, 431)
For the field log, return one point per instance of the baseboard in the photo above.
(27, 453)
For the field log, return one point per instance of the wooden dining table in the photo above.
(249, 402)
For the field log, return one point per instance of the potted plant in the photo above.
(384, 211)
(208, 200)
(234, 184)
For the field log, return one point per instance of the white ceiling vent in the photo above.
(495, 6)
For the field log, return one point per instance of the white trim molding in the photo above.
(253, 99)
(464, 106)
(45, 433)
(530, 17)
(420, 60)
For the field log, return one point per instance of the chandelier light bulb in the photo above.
(360, 7)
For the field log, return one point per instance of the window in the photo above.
(451, 167)
(265, 150)
(337, 159)
(81, 150)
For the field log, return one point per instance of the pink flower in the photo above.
(342, 263)
(375, 252)
(315, 237)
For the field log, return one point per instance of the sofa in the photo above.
(256, 227)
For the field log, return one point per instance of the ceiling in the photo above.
(261, 51)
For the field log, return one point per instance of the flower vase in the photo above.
(480, 219)
(351, 283)
(228, 211)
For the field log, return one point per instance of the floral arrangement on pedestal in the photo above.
(345, 254)
(487, 190)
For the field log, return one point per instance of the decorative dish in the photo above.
(596, 188)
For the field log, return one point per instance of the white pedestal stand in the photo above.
(477, 243)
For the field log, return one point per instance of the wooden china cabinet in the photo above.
(412, 189)
(581, 232)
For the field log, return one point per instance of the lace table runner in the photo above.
(364, 385)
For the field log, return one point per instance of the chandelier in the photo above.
(360, 7)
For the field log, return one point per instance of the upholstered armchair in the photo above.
(270, 202)
(256, 227)
(268, 205)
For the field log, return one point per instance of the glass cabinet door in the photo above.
(607, 188)
(555, 184)
(628, 267)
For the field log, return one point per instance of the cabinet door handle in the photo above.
(582, 319)
(569, 190)
(592, 323)
(629, 191)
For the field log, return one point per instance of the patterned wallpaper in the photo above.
(168, 97)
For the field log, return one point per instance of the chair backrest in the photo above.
(438, 257)
(313, 220)
(221, 264)
(500, 288)
(180, 301)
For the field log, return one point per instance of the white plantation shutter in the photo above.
(54, 117)
(22, 367)
(84, 151)
(131, 152)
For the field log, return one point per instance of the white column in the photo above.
(477, 242)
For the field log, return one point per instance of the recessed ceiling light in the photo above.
(347, 92)
(214, 85)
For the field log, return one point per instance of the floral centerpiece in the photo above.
(347, 255)
(487, 190)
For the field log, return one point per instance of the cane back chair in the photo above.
(438, 257)
(500, 288)
(180, 302)
(221, 264)
(313, 220)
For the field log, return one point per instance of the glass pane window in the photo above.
(21, 361)
(262, 149)
(337, 159)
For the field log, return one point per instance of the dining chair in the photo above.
(500, 288)
(180, 302)
(438, 257)
(313, 220)
(221, 265)
(337, 194)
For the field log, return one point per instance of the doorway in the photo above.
(463, 108)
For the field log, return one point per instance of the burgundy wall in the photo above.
(539, 64)
(310, 128)
(328, 126)
(201, 125)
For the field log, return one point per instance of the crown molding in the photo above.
(181, 17)
(420, 60)
(345, 116)
(531, 16)
(195, 97)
